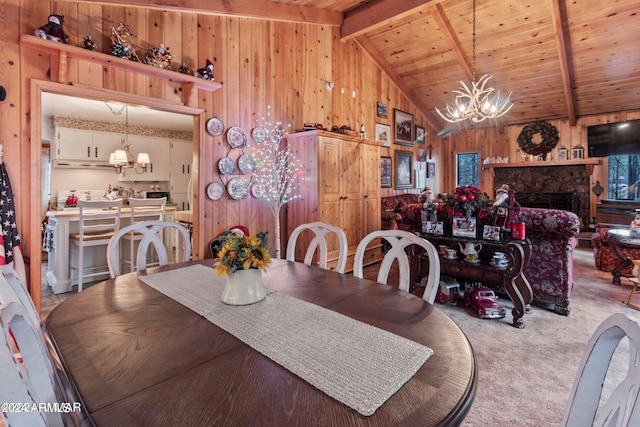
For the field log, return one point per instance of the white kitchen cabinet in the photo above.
(181, 169)
(84, 145)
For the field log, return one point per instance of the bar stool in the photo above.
(141, 210)
(99, 221)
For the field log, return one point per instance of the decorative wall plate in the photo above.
(246, 164)
(215, 127)
(255, 191)
(226, 166)
(237, 138)
(259, 134)
(238, 188)
(215, 190)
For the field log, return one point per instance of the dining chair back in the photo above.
(99, 221)
(30, 381)
(319, 244)
(13, 290)
(141, 210)
(622, 408)
(398, 241)
(151, 238)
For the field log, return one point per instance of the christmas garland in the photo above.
(547, 131)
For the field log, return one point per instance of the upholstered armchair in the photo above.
(553, 234)
(603, 257)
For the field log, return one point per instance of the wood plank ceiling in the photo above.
(561, 59)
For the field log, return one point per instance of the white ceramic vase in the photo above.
(244, 287)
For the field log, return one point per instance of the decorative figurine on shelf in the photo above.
(159, 57)
(53, 30)
(206, 72)
(501, 205)
(88, 43)
(184, 69)
(122, 39)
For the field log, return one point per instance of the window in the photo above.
(624, 177)
(468, 169)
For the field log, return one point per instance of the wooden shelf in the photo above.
(60, 53)
(588, 164)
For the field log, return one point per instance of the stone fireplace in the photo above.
(556, 187)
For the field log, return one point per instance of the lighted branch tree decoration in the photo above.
(277, 171)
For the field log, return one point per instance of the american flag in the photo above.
(10, 249)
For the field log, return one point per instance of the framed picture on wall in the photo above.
(402, 128)
(404, 169)
(383, 134)
(381, 110)
(420, 134)
(385, 172)
(431, 170)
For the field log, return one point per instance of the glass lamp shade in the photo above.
(143, 159)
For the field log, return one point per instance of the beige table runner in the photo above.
(357, 364)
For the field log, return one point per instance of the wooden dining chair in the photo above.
(319, 244)
(141, 210)
(13, 290)
(99, 220)
(29, 380)
(399, 240)
(622, 408)
(151, 232)
(634, 289)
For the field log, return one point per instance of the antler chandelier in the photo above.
(476, 102)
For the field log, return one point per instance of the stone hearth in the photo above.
(564, 182)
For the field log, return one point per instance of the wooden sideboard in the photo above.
(510, 279)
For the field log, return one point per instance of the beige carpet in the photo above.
(525, 375)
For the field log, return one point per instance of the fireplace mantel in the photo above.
(588, 164)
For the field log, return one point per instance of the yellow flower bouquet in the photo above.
(242, 253)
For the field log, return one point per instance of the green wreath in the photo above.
(549, 135)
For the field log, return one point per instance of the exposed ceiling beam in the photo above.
(450, 35)
(259, 9)
(395, 78)
(376, 13)
(563, 57)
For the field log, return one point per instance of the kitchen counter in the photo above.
(61, 212)
(64, 222)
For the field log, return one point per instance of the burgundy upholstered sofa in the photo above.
(553, 234)
(603, 257)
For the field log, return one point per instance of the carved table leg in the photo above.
(625, 262)
(616, 273)
(517, 285)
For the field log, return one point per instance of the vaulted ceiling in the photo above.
(561, 59)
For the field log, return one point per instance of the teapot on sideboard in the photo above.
(470, 250)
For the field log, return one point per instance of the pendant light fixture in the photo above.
(123, 158)
(479, 101)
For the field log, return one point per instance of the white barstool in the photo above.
(99, 221)
(141, 210)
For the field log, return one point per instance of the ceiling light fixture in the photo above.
(123, 158)
(476, 102)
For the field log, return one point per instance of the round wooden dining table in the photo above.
(137, 357)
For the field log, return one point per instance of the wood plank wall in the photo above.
(493, 143)
(260, 64)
